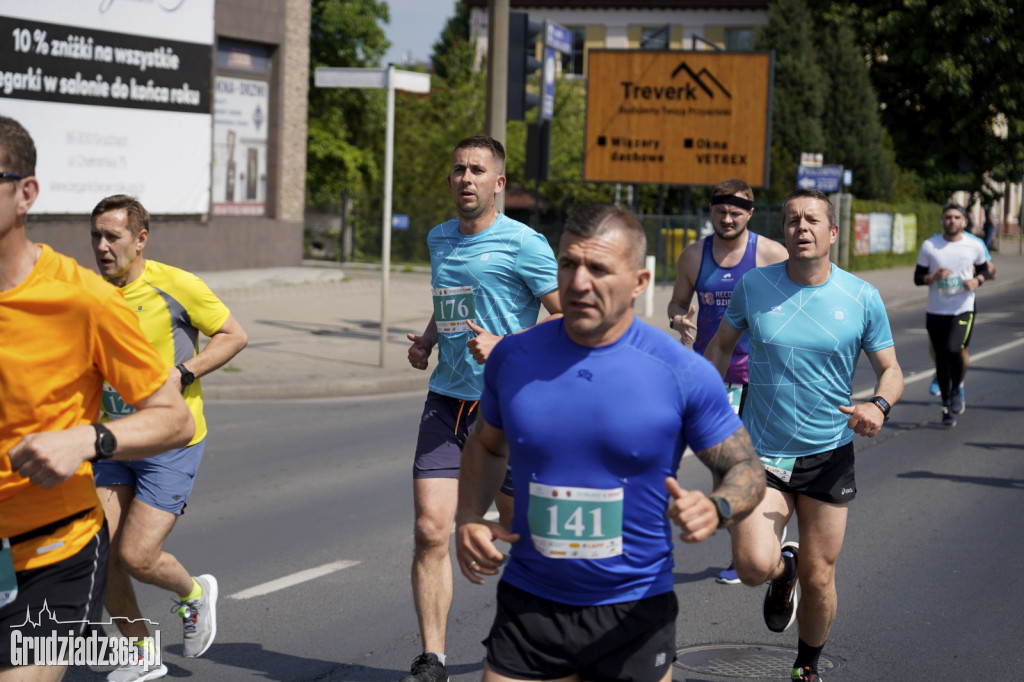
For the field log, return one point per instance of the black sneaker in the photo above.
(805, 674)
(948, 416)
(781, 599)
(426, 668)
(958, 400)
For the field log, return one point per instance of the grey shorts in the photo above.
(444, 427)
(162, 481)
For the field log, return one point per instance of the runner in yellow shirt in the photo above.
(143, 499)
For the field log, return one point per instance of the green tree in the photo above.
(947, 73)
(799, 95)
(454, 56)
(854, 135)
(427, 128)
(565, 186)
(345, 134)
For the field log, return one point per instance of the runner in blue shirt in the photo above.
(808, 323)
(593, 413)
(489, 277)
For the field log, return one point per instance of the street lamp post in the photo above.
(392, 79)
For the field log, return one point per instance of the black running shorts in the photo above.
(826, 476)
(537, 639)
(71, 590)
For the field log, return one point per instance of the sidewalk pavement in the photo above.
(314, 330)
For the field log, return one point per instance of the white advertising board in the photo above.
(880, 227)
(117, 95)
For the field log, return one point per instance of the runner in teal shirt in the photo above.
(808, 322)
(805, 342)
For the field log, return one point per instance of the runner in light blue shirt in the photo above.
(808, 340)
(808, 322)
(489, 277)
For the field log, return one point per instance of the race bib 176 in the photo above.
(453, 307)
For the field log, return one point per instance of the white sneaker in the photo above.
(199, 618)
(138, 672)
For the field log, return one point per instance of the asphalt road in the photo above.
(929, 580)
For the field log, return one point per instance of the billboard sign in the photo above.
(240, 147)
(681, 118)
(116, 95)
(862, 230)
(880, 231)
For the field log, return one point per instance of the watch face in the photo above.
(106, 444)
(724, 508)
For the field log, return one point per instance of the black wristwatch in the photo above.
(671, 322)
(883, 405)
(106, 444)
(723, 508)
(187, 377)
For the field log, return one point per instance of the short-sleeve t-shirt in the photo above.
(948, 297)
(173, 306)
(615, 420)
(509, 267)
(64, 330)
(804, 346)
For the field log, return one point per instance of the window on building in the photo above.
(738, 39)
(572, 64)
(654, 38)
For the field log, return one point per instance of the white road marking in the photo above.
(923, 376)
(293, 579)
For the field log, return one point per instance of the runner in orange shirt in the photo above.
(64, 332)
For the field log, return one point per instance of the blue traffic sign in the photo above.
(547, 90)
(558, 38)
(400, 222)
(826, 179)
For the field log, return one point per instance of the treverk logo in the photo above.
(701, 81)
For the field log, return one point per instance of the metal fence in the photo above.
(668, 235)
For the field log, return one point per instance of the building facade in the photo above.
(640, 24)
(239, 157)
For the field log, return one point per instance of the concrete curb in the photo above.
(356, 386)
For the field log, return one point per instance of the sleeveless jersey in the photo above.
(714, 288)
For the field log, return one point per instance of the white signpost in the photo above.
(392, 79)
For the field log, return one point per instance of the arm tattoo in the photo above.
(738, 473)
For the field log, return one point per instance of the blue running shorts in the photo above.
(162, 481)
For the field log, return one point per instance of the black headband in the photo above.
(732, 200)
(955, 207)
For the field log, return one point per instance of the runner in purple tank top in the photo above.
(710, 267)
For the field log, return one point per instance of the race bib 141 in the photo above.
(575, 523)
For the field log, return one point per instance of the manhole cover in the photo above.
(745, 660)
